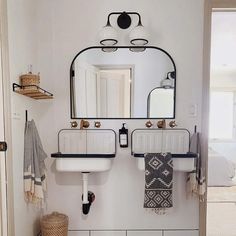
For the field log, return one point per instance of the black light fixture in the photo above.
(138, 36)
(124, 20)
(168, 81)
(108, 35)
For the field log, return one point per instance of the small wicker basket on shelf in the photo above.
(55, 224)
(30, 79)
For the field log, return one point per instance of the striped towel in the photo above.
(196, 181)
(158, 181)
(34, 166)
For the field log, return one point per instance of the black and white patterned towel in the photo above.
(158, 181)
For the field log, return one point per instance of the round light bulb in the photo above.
(108, 36)
(138, 36)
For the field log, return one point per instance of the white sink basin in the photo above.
(90, 150)
(83, 164)
(179, 164)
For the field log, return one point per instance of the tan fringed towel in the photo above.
(196, 181)
(34, 166)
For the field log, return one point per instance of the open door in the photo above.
(115, 93)
(86, 90)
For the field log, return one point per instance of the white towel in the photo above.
(34, 166)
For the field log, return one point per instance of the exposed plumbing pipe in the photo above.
(88, 197)
(85, 187)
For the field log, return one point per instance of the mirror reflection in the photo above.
(122, 83)
(164, 96)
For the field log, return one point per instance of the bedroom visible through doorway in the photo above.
(221, 199)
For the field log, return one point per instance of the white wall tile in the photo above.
(78, 233)
(144, 233)
(108, 233)
(181, 233)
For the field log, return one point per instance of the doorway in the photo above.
(3, 182)
(115, 92)
(110, 86)
(221, 197)
(6, 176)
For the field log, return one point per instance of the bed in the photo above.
(221, 170)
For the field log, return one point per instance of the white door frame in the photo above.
(209, 5)
(5, 77)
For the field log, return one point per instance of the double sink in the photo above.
(92, 150)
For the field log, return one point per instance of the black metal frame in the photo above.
(117, 47)
(83, 155)
(174, 155)
(148, 105)
(184, 155)
(15, 86)
(124, 20)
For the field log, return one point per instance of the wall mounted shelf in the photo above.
(32, 91)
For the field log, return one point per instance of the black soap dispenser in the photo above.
(123, 136)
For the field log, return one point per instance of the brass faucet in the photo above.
(84, 124)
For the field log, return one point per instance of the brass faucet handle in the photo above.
(84, 124)
(149, 124)
(172, 124)
(74, 124)
(97, 124)
(161, 124)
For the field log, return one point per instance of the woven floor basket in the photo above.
(30, 79)
(55, 224)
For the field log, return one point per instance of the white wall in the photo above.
(64, 28)
(174, 26)
(23, 49)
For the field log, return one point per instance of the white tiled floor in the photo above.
(108, 233)
(182, 233)
(78, 233)
(138, 233)
(144, 233)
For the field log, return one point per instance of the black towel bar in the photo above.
(67, 155)
(185, 155)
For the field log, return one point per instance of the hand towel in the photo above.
(158, 181)
(196, 181)
(34, 166)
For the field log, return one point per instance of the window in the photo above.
(221, 115)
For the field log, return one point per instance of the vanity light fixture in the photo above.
(108, 35)
(168, 81)
(138, 35)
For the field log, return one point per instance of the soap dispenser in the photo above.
(123, 136)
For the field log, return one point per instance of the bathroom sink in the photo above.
(174, 141)
(85, 150)
(83, 162)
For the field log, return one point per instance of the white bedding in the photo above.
(221, 171)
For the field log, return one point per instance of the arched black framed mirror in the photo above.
(116, 83)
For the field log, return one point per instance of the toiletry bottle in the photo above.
(123, 136)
